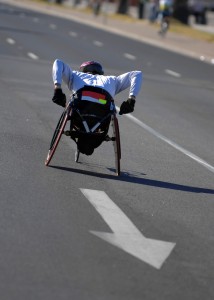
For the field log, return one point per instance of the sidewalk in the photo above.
(134, 28)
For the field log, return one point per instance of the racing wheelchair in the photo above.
(91, 111)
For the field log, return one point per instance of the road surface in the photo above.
(77, 231)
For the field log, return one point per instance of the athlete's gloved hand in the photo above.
(127, 106)
(59, 97)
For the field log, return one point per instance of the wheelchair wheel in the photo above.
(116, 143)
(57, 134)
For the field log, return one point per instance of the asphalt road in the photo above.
(49, 219)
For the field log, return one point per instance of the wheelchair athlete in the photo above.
(91, 74)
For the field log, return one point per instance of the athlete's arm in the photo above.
(131, 80)
(61, 72)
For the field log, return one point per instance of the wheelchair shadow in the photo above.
(136, 179)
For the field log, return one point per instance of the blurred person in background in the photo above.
(199, 11)
(165, 12)
(154, 8)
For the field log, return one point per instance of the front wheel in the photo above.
(77, 154)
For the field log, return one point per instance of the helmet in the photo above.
(91, 67)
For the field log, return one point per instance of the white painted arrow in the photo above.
(125, 235)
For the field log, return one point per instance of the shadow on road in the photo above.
(128, 177)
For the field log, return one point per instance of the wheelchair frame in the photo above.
(67, 116)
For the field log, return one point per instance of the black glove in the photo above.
(59, 97)
(127, 106)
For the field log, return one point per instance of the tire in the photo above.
(57, 135)
(116, 144)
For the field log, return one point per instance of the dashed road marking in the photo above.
(32, 55)
(175, 74)
(129, 56)
(98, 44)
(53, 26)
(73, 33)
(10, 41)
(22, 15)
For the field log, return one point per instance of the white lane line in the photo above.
(32, 55)
(171, 143)
(97, 43)
(10, 41)
(73, 34)
(170, 72)
(125, 235)
(129, 56)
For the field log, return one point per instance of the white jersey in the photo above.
(75, 80)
